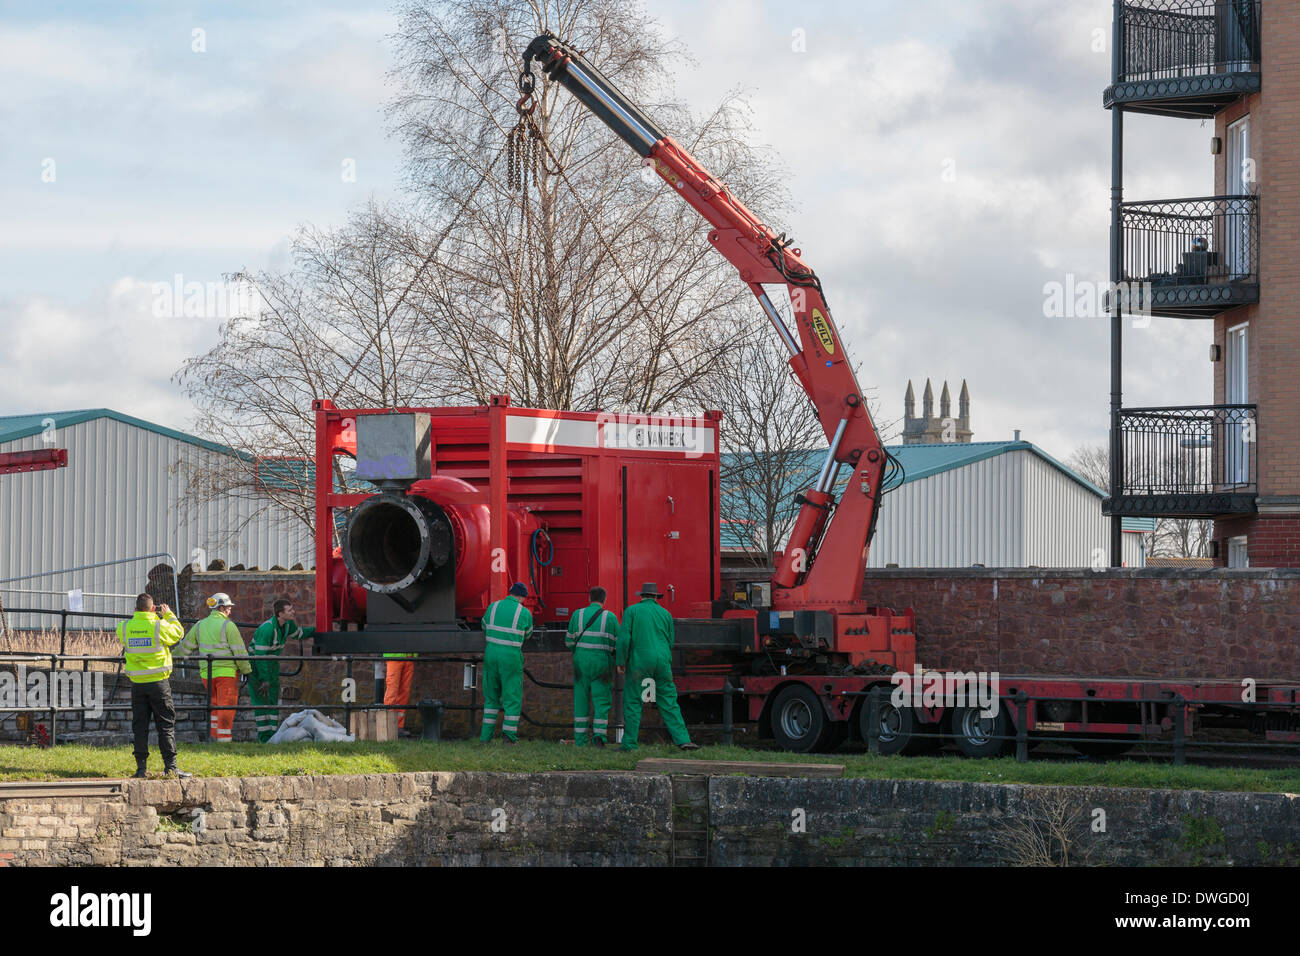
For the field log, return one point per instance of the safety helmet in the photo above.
(220, 599)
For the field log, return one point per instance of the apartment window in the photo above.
(1237, 557)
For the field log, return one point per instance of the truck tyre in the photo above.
(798, 720)
(975, 735)
(896, 727)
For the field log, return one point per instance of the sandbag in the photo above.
(310, 725)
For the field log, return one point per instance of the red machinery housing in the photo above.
(463, 501)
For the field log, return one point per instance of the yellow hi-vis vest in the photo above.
(217, 635)
(147, 640)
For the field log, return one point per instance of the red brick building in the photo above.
(1232, 257)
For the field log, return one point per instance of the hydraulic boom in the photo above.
(823, 562)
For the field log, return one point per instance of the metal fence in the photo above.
(1171, 39)
(1189, 450)
(1204, 241)
(188, 667)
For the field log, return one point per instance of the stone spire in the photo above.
(936, 429)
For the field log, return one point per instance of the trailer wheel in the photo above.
(798, 720)
(976, 735)
(897, 724)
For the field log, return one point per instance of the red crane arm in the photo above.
(838, 533)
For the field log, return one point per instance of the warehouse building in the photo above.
(1001, 504)
(126, 500)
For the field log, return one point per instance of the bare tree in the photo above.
(346, 322)
(1091, 462)
(594, 286)
(770, 440)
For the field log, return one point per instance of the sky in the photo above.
(949, 161)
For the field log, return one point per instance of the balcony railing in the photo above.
(1166, 39)
(1187, 57)
(1198, 256)
(1190, 461)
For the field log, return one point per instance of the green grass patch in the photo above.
(257, 760)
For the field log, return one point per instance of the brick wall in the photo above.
(1116, 622)
(1274, 334)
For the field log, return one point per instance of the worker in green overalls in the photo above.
(645, 654)
(593, 637)
(264, 683)
(506, 624)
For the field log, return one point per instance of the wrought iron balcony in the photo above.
(1189, 258)
(1186, 57)
(1187, 462)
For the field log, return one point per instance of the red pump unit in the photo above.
(447, 507)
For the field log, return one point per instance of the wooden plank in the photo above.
(713, 767)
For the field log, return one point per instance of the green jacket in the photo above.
(601, 632)
(219, 636)
(646, 634)
(147, 640)
(507, 623)
(269, 640)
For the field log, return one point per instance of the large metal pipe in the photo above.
(392, 541)
(611, 104)
(826, 480)
(1116, 273)
(778, 323)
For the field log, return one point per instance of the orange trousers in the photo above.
(225, 693)
(397, 686)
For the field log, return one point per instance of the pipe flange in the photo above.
(392, 541)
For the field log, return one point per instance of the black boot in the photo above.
(688, 746)
(175, 771)
(141, 769)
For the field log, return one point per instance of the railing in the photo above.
(1170, 39)
(1192, 450)
(1191, 241)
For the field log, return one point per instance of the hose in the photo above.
(537, 561)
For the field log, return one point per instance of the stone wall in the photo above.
(576, 819)
(572, 819)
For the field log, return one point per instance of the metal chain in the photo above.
(528, 152)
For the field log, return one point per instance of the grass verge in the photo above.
(254, 760)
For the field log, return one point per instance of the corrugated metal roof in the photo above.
(922, 461)
(14, 427)
(926, 460)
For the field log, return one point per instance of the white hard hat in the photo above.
(220, 599)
